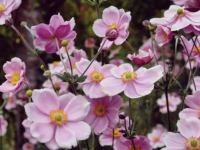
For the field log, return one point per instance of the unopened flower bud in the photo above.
(29, 93)
(122, 115)
(152, 27)
(180, 11)
(112, 34)
(9, 22)
(146, 23)
(23, 23)
(47, 74)
(64, 43)
(42, 67)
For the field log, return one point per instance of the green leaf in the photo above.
(67, 75)
(82, 79)
(61, 77)
(76, 77)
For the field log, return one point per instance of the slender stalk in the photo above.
(129, 45)
(130, 114)
(152, 45)
(135, 119)
(102, 58)
(87, 144)
(168, 113)
(2, 106)
(98, 11)
(27, 85)
(69, 61)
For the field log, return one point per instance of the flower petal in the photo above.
(100, 28)
(111, 15)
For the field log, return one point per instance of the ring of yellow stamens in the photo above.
(28, 147)
(192, 143)
(117, 134)
(58, 116)
(15, 78)
(128, 76)
(10, 99)
(132, 148)
(74, 66)
(96, 76)
(2, 7)
(156, 138)
(197, 49)
(100, 110)
(55, 63)
(113, 25)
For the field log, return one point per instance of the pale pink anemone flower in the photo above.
(11, 101)
(156, 136)
(177, 18)
(178, 2)
(90, 43)
(28, 146)
(142, 58)
(59, 124)
(192, 5)
(95, 74)
(58, 29)
(56, 67)
(70, 49)
(140, 142)
(15, 75)
(188, 137)
(174, 101)
(116, 20)
(135, 84)
(3, 126)
(6, 7)
(117, 62)
(163, 35)
(103, 113)
(27, 135)
(193, 102)
(77, 55)
(197, 84)
(115, 52)
(58, 84)
(107, 138)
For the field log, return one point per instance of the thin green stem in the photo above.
(135, 119)
(70, 62)
(129, 45)
(152, 45)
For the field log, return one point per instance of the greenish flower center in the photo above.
(128, 75)
(96, 76)
(58, 117)
(180, 11)
(193, 143)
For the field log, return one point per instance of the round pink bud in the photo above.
(112, 34)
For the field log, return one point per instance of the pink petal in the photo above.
(107, 45)
(52, 144)
(65, 99)
(45, 98)
(112, 114)
(174, 140)
(62, 31)
(86, 87)
(95, 91)
(120, 39)
(180, 24)
(118, 71)
(105, 140)
(116, 102)
(44, 32)
(125, 18)
(56, 21)
(106, 70)
(40, 43)
(193, 100)
(51, 47)
(130, 90)
(143, 88)
(110, 15)
(100, 28)
(101, 125)
(188, 113)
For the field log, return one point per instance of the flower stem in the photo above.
(129, 45)
(168, 113)
(152, 45)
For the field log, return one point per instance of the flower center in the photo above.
(28, 147)
(15, 78)
(156, 138)
(10, 99)
(132, 148)
(90, 42)
(113, 25)
(180, 13)
(74, 66)
(58, 116)
(2, 7)
(96, 76)
(116, 133)
(193, 143)
(128, 76)
(55, 63)
(197, 50)
(100, 110)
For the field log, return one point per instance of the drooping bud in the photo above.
(112, 34)
(47, 74)
(180, 11)
(29, 93)
(122, 115)
(64, 43)
(23, 23)
(42, 67)
(9, 22)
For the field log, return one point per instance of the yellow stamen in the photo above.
(58, 116)
(74, 66)
(90, 42)
(2, 7)
(15, 78)
(192, 143)
(10, 99)
(156, 138)
(96, 76)
(55, 63)
(116, 133)
(197, 50)
(100, 110)
(113, 25)
(28, 147)
(132, 148)
(128, 76)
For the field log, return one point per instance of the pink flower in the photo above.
(27, 135)
(56, 67)
(58, 29)
(103, 113)
(188, 137)
(177, 18)
(135, 84)
(163, 35)
(28, 146)
(174, 101)
(156, 136)
(192, 28)
(95, 74)
(115, 52)
(117, 62)
(6, 7)
(3, 126)
(140, 142)
(11, 101)
(193, 102)
(143, 58)
(58, 83)
(15, 75)
(70, 49)
(192, 5)
(27, 123)
(115, 20)
(197, 84)
(164, 65)
(179, 2)
(90, 43)
(57, 120)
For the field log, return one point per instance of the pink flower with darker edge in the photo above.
(90, 43)
(197, 84)
(192, 5)
(58, 29)
(103, 113)
(15, 75)
(56, 67)
(188, 137)
(140, 142)
(156, 136)
(11, 101)
(113, 20)
(27, 135)
(95, 74)
(163, 35)
(57, 120)
(174, 101)
(193, 102)
(28, 146)
(6, 7)
(3, 126)
(70, 49)
(117, 62)
(143, 58)
(135, 84)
